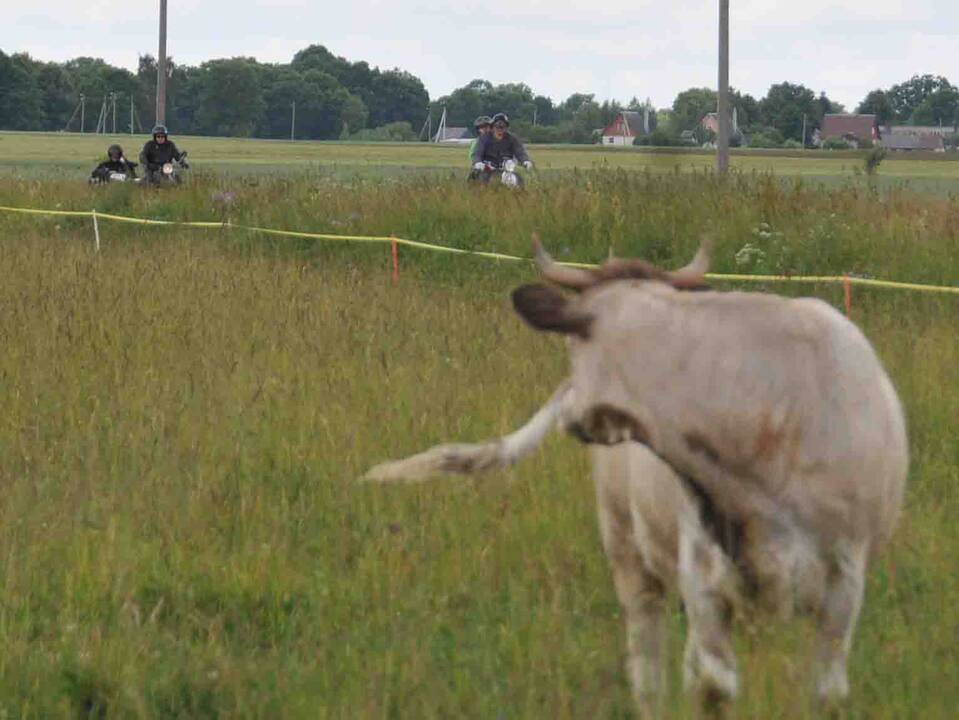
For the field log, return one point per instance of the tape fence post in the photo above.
(394, 249)
(96, 231)
(847, 293)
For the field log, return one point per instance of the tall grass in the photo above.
(183, 417)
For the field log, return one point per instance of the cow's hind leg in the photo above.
(837, 620)
(707, 587)
(643, 599)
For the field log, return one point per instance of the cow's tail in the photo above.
(464, 459)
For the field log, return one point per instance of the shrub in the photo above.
(391, 132)
(873, 160)
(835, 143)
(762, 140)
(660, 137)
(792, 144)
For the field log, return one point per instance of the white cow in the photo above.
(745, 447)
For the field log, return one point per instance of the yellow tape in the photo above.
(478, 253)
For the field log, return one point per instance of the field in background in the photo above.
(44, 155)
(183, 417)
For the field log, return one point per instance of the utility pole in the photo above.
(293, 123)
(161, 68)
(722, 146)
(114, 98)
(534, 115)
(83, 112)
(804, 131)
(131, 114)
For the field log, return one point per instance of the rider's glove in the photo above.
(528, 164)
(479, 166)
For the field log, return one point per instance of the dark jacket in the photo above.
(491, 150)
(103, 170)
(154, 155)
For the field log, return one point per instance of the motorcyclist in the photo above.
(115, 163)
(157, 152)
(498, 145)
(482, 126)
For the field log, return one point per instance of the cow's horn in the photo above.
(568, 277)
(702, 259)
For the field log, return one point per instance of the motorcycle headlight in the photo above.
(167, 168)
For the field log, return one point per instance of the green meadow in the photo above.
(184, 416)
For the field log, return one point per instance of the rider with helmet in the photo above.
(497, 145)
(482, 126)
(157, 152)
(115, 163)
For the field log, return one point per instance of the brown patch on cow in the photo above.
(546, 308)
(698, 443)
(607, 425)
(768, 441)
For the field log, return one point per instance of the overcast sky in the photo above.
(614, 48)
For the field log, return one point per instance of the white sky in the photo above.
(615, 48)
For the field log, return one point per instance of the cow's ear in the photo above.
(546, 308)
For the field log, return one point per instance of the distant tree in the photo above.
(59, 97)
(747, 107)
(230, 101)
(21, 99)
(396, 96)
(514, 99)
(784, 106)
(906, 97)
(464, 104)
(317, 57)
(545, 111)
(354, 114)
(877, 103)
(691, 105)
(939, 107)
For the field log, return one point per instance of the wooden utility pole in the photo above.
(83, 112)
(293, 123)
(722, 144)
(161, 68)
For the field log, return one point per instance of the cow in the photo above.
(748, 450)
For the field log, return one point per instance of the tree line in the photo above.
(337, 98)
(237, 97)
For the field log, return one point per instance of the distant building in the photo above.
(710, 122)
(626, 127)
(854, 129)
(914, 137)
(453, 134)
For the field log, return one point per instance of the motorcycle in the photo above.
(168, 173)
(506, 174)
(113, 176)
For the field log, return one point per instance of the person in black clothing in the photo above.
(496, 146)
(157, 152)
(115, 163)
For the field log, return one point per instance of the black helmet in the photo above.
(500, 117)
(115, 152)
(481, 121)
(159, 130)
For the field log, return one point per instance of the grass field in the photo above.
(184, 414)
(43, 155)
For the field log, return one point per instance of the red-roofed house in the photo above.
(626, 126)
(856, 129)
